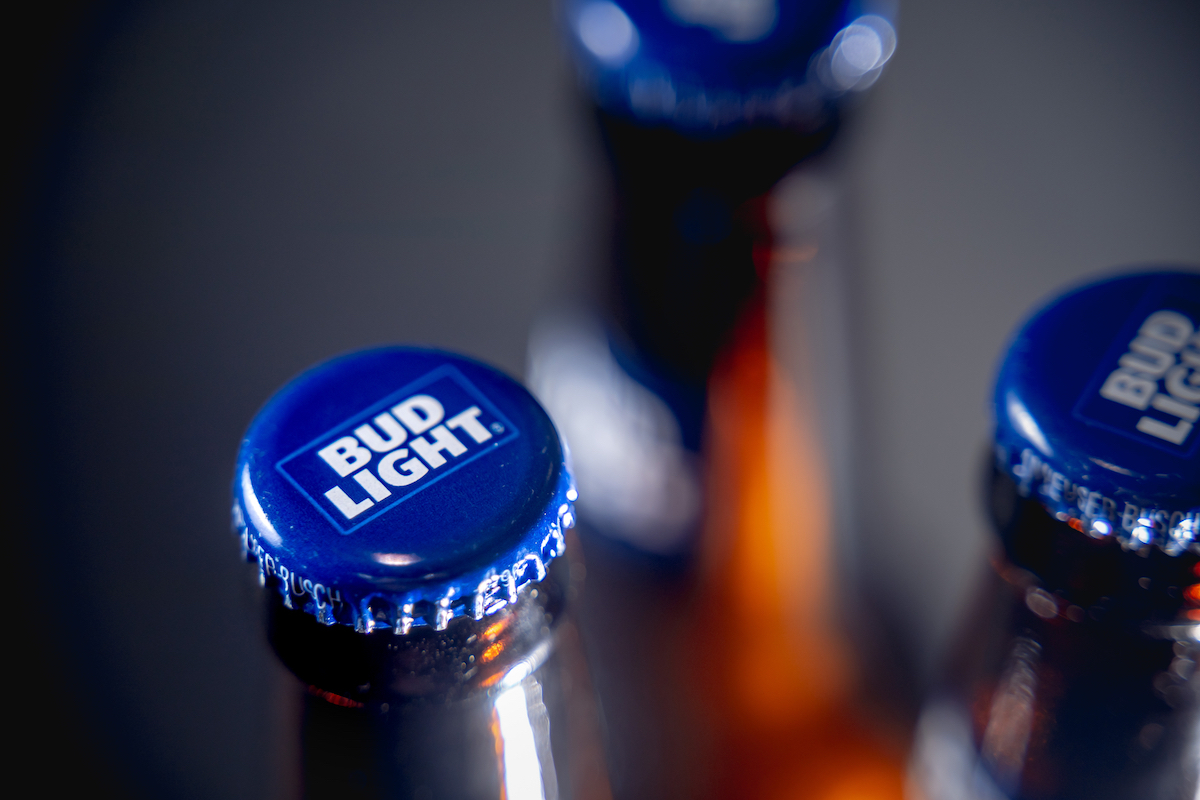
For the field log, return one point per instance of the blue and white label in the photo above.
(1149, 386)
(397, 447)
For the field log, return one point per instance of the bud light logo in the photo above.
(1148, 388)
(403, 443)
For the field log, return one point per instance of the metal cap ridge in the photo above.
(1097, 410)
(700, 64)
(400, 487)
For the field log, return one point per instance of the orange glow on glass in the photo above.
(498, 740)
(782, 686)
(335, 699)
(496, 628)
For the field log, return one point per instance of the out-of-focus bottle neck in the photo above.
(1077, 576)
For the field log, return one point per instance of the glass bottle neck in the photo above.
(468, 658)
(1075, 575)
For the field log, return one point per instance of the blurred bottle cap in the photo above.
(723, 64)
(1097, 409)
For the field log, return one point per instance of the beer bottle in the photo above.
(701, 107)
(1074, 676)
(408, 511)
(709, 444)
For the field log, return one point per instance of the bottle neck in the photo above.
(1039, 705)
(1081, 576)
(691, 234)
(468, 658)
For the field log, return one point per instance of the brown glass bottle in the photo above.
(1074, 674)
(409, 511)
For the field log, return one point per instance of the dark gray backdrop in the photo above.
(222, 194)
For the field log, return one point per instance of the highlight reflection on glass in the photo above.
(526, 777)
(607, 32)
(732, 20)
(857, 55)
(1010, 719)
(635, 477)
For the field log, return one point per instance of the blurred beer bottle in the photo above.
(702, 106)
(767, 645)
(1074, 676)
(408, 512)
(720, 650)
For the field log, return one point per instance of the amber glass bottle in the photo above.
(1074, 676)
(408, 512)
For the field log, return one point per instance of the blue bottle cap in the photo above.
(399, 487)
(724, 64)
(1098, 410)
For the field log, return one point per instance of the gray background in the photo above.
(1015, 148)
(228, 193)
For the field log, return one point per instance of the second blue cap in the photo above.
(725, 64)
(1098, 409)
(398, 486)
